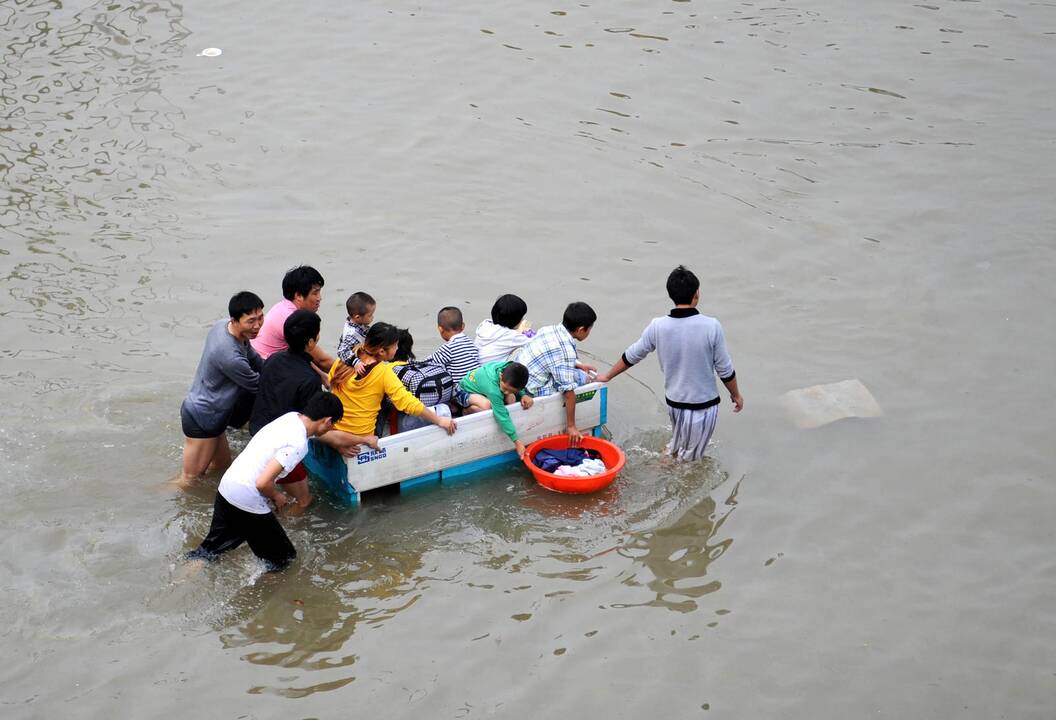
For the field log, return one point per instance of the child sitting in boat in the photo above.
(360, 308)
(499, 338)
(458, 353)
(553, 366)
(430, 383)
(491, 387)
(361, 396)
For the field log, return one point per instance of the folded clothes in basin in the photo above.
(585, 469)
(551, 460)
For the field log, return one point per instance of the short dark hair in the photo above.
(682, 285)
(300, 281)
(516, 375)
(508, 311)
(404, 346)
(300, 327)
(324, 405)
(577, 315)
(380, 336)
(243, 303)
(358, 303)
(450, 318)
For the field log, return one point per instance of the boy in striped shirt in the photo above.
(458, 353)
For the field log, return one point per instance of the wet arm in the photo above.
(632, 355)
(322, 358)
(502, 415)
(574, 434)
(266, 483)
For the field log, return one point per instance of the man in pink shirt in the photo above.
(302, 289)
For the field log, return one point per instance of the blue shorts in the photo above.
(461, 396)
(580, 377)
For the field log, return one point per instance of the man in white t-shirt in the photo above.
(241, 512)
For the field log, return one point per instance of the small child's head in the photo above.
(381, 341)
(360, 308)
(508, 311)
(379, 345)
(513, 378)
(449, 322)
(683, 286)
(404, 345)
(579, 318)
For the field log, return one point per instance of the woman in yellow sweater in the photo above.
(361, 394)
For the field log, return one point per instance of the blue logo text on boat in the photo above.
(370, 456)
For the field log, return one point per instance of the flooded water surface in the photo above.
(865, 191)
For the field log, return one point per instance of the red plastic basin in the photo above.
(611, 455)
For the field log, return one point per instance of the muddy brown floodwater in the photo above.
(866, 190)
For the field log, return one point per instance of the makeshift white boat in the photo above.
(430, 455)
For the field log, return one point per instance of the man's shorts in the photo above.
(193, 430)
(232, 526)
(296, 475)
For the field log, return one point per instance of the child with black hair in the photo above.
(361, 395)
(691, 349)
(491, 387)
(360, 308)
(458, 353)
(430, 383)
(552, 362)
(499, 338)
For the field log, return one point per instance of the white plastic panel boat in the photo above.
(429, 454)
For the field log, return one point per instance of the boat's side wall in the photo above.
(428, 454)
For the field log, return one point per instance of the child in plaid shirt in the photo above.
(360, 307)
(552, 363)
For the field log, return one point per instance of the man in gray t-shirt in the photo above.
(692, 350)
(226, 379)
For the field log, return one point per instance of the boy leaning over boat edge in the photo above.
(552, 362)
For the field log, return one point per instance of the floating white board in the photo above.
(819, 405)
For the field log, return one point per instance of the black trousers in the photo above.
(232, 526)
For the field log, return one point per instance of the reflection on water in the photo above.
(88, 139)
(306, 620)
(302, 621)
(678, 555)
(652, 538)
